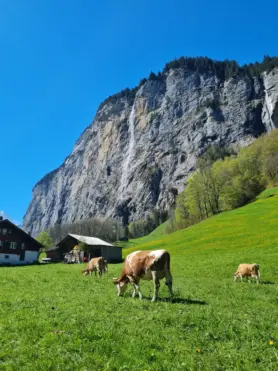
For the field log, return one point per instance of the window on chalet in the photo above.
(4, 231)
(23, 246)
(13, 245)
(10, 231)
(1, 243)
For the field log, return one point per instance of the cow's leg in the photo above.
(256, 276)
(241, 277)
(139, 292)
(136, 285)
(169, 283)
(156, 286)
(134, 290)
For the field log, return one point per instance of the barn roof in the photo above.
(91, 241)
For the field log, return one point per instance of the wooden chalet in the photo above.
(16, 246)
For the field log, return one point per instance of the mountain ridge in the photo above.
(193, 103)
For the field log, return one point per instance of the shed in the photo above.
(96, 247)
(54, 253)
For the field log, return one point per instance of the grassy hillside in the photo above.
(248, 227)
(155, 234)
(53, 318)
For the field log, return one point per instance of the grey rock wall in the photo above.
(139, 152)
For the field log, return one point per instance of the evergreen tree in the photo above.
(152, 76)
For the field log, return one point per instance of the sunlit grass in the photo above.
(53, 318)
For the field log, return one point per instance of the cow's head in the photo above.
(121, 284)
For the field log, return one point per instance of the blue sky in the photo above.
(60, 59)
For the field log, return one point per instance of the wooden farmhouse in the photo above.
(16, 246)
(69, 248)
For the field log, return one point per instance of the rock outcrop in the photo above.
(142, 145)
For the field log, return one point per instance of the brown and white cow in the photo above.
(146, 265)
(95, 265)
(247, 270)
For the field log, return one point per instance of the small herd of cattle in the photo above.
(153, 266)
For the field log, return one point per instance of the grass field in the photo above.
(53, 318)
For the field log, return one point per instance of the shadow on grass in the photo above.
(267, 283)
(184, 301)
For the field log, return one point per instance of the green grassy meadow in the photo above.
(53, 318)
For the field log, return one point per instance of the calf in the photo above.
(247, 270)
(146, 265)
(95, 265)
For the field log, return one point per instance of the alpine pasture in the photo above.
(53, 318)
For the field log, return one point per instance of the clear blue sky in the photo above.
(60, 59)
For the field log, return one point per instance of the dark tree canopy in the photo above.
(222, 69)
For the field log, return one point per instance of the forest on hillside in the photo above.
(226, 179)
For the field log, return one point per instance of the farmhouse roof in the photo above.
(91, 241)
(2, 221)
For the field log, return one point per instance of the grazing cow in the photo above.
(95, 265)
(146, 265)
(105, 266)
(247, 270)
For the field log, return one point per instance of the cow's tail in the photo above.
(167, 268)
(168, 275)
(167, 261)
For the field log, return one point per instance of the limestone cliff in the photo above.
(143, 144)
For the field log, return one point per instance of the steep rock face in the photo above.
(139, 150)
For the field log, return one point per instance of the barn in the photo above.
(16, 246)
(94, 247)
